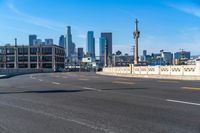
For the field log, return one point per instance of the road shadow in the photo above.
(42, 92)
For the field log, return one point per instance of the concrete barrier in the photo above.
(164, 71)
(5, 73)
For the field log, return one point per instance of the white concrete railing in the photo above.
(184, 70)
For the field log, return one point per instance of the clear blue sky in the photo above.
(164, 24)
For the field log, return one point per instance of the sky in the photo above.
(170, 25)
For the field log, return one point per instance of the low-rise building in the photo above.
(35, 57)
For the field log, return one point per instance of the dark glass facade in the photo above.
(91, 44)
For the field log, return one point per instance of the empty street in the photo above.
(90, 103)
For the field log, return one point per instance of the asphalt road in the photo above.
(90, 103)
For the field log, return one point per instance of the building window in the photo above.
(9, 65)
(1, 58)
(10, 51)
(47, 65)
(59, 52)
(23, 58)
(59, 59)
(33, 65)
(1, 66)
(47, 51)
(33, 59)
(10, 59)
(23, 51)
(22, 65)
(33, 51)
(47, 58)
(1, 50)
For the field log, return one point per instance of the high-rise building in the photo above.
(37, 42)
(69, 45)
(167, 58)
(48, 41)
(62, 41)
(80, 53)
(31, 39)
(182, 55)
(73, 48)
(102, 44)
(91, 44)
(108, 37)
(144, 55)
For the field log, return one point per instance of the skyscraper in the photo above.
(91, 44)
(80, 53)
(31, 39)
(62, 41)
(102, 44)
(37, 42)
(69, 45)
(48, 41)
(108, 37)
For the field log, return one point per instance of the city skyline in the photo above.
(164, 24)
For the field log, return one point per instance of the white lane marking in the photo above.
(122, 79)
(32, 77)
(56, 83)
(93, 89)
(83, 79)
(189, 103)
(40, 80)
(120, 82)
(191, 88)
(65, 77)
(101, 128)
(167, 81)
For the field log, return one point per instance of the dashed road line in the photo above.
(93, 89)
(56, 83)
(32, 77)
(183, 102)
(122, 79)
(191, 88)
(167, 81)
(120, 82)
(40, 80)
(83, 79)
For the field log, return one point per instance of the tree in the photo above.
(126, 54)
(118, 53)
